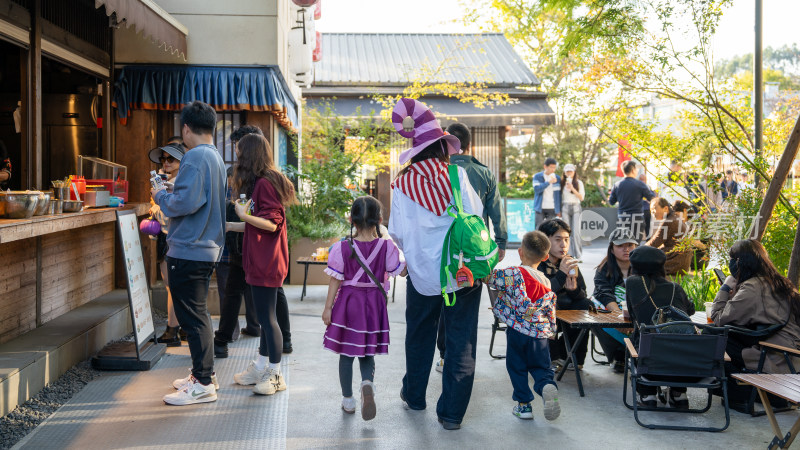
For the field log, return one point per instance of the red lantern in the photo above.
(317, 53)
(304, 3)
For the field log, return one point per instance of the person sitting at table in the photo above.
(667, 233)
(756, 296)
(609, 290)
(647, 290)
(570, 289)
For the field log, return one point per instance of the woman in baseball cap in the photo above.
(609, 290)
(169, 156)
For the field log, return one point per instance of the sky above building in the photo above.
(735, 36)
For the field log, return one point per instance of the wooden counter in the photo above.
(53, 264)
(16, 229)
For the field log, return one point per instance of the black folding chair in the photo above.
(594, 351)
(766, 347)
(664, 354)
(496, 325)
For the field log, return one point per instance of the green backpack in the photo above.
(468, 252)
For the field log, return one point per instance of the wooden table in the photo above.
(785, 386)
(586, 320)
(307, 261)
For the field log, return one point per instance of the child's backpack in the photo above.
(468, 252)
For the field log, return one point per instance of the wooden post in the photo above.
(794, 259)
(778, 180)
(35, 100)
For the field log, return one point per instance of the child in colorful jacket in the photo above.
(527, 305)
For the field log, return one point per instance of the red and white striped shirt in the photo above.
(427, 183)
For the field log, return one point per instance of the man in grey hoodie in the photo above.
(196, 207)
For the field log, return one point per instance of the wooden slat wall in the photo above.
(77, 266)
(486, 147)
(17, 289)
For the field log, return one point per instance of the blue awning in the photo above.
(171, 87)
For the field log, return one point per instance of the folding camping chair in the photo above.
(496, 325)
(662, 354)
(766, 347)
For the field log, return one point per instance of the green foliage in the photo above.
(523, 190)
(305, 223)
(334, 150)
(735, 221)
(785, 59)
(701, 287)
(594, 197)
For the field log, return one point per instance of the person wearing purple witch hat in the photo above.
(418, 224)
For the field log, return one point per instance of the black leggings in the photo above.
(265, 300)
(365, 363)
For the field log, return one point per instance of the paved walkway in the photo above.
(124, 410)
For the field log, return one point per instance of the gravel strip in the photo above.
(18, 423)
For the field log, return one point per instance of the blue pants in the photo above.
(461, 335)
(525, 355)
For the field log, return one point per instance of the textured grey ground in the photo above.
(24, 419)
(125, 409)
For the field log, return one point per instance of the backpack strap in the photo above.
(367, 271)
(445, 275)
(455, 185)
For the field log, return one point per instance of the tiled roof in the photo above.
(396, 59)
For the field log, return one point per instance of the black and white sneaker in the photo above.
(648, 401)
(678, 400)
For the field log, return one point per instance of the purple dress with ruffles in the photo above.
(359, 320)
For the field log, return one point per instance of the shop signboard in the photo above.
(138, 291)
(596, 223)
(520, 218)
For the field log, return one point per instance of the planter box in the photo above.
(305, 247)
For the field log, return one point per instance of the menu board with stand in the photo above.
(143, 352)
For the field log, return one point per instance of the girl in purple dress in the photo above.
(355, 311)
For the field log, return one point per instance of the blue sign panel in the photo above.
(520, 218)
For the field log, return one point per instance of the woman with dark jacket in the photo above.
(609, 290)
(667, 233)
(647, 290)
(756, 296)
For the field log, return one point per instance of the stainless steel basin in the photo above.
(44, 202)
(18, 204)
(71, 206)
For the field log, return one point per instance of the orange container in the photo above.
(80, 183)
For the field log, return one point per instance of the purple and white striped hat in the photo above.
(414, 120)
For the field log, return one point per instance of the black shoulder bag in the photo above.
(666, 314)
(367, 271)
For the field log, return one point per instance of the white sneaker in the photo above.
(349, 405)
(181, 382)
(278, 381)
(367, 400)
(271, 383)
(250, 376)
(552, 409)
(191, 393)
(439, 365)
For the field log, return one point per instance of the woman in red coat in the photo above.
(265, 252)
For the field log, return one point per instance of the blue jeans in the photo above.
(461, 335)
(527, 355)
